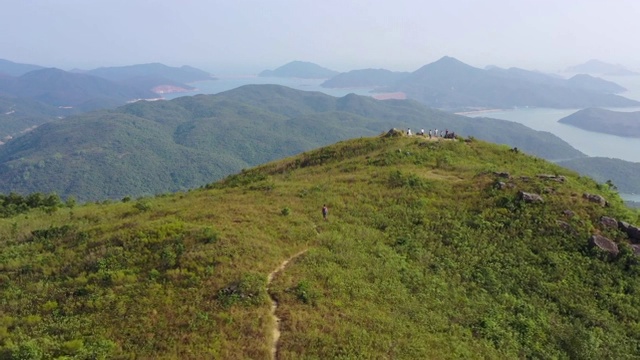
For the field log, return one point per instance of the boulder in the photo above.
(624, 226)
(604, 244)
(633, 232)
(595, 198)
(609, 222)
(502, 174)
(569, 213)
(530, 197)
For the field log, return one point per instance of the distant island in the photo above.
(300, 69)
(617, 123)
(364, 78)
(600, 68)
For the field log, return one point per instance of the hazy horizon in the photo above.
(246, 37)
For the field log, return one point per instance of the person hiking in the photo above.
(325, 212)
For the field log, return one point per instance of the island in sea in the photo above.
(617, 123)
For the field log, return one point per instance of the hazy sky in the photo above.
(247, 36)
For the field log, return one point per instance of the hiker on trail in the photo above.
(325, 212)
(446, 132)
(429, 133)
(421, 132)
(436, 132)
(409, 131)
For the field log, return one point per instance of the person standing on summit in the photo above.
(325, 212)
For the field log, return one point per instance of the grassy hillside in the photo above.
(425, 254)
(147, 148)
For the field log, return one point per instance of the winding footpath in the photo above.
(274, 304)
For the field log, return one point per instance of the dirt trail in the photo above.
(274, 304)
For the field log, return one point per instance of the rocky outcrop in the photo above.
(530, 197)
(558, 178)
(604, 244)
(636, 249)
(595, 198)
(394, 132)
(632, 231)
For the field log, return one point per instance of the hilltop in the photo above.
(147, 148)
(433, 249)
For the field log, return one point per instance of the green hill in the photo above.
(147, 148)
(429, 252)
(65, 89)
(18, 115)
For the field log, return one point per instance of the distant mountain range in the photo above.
(604, 121)
(16, 69)
(300, 69)
(450, 84)
(154, 147)
(31, 95)
(598, 67)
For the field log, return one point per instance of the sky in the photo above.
(248, 36)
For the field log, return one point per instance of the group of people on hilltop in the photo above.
(431, 133)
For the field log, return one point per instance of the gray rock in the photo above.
(633, 232)
(502, 174)
(609, 222)
(569, 213)
(558, 178)
(530, 197)
(595, 198)
(624, 226)
(604, 244)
